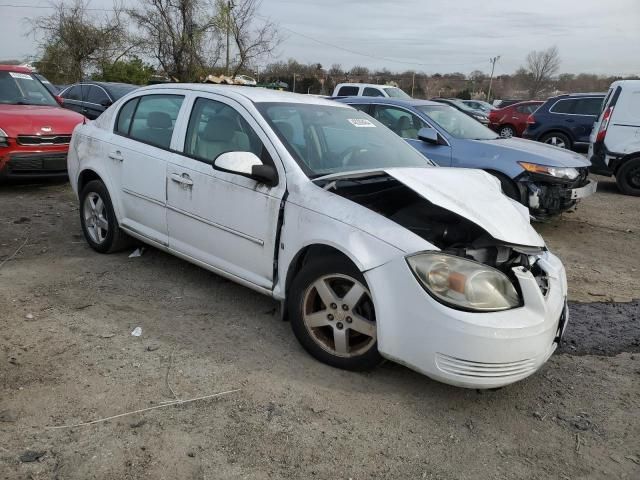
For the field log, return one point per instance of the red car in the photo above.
(511, 121)
(35, 130)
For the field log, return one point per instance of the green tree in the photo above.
(133, 70)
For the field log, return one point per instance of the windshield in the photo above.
(456, 123)
(324, 139)
(396, 92)
(23, 89)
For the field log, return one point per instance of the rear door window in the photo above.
(372, 92)
(588, 106)
(96, 95)
(348, 91)
(154, 119)
(125, 116)
(563, 106)
(73, 93)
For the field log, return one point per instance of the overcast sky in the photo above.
(594, 36)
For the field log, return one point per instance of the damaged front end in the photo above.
(402, 197)
(547, 196)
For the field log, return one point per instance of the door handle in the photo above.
(117, 156)
(184, 179)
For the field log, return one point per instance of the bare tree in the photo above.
(74, 40)
(253, 40)
(182, 35)
(541, 66)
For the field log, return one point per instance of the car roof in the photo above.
(15, 68)
(411, 102)
(253, 94)
(578, 95)
(355, 84)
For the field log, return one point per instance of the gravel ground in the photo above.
(67, 356)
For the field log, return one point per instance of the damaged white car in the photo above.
(373, 252)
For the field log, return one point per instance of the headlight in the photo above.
(4, 138)
(464, 284)
(568, 173)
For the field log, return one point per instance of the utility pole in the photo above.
(413, 82)
(230, 5)
(294, 82)
(493, 66)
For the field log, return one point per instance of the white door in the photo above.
(143, 135)
(224, 220)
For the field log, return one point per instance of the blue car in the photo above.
(565, 121)
(545, 179)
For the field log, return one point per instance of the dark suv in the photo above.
(93, 98)
(566, 120)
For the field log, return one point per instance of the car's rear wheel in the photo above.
(556, 139)
(332, 314)
(506, 131)
(628, 177)
(98, 219)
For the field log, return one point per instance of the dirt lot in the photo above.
(67, 356)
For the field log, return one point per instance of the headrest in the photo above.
(219, 129)
(159, 120)
(404, 123)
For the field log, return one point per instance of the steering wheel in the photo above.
(348, 155)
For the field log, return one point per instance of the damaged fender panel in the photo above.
(303, 227)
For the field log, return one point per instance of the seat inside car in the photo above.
(405, 128)
(221, 135)
(157, 131)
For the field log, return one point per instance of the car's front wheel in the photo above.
(332, 314)
(98, 219)
(628, 177)
(507, 131)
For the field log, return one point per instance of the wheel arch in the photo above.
(561, 130)
(623, 160)
(86, 176)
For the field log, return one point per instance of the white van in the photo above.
(614, 147)
(368, 90)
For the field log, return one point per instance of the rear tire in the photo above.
(628, 177)
(556, 139)
(332, 314)
(98, 219)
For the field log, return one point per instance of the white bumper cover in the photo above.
(467, 349)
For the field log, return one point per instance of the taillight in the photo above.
(604, 124)
(531, 119)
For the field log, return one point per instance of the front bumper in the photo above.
(468, 349)
(19, 162)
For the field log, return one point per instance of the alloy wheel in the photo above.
(95, 217)
(338, 313)
(556, 142)
(506, 132)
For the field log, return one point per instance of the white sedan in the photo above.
(372, 251)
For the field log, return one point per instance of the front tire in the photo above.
(333, 316)
(555, 139)
(507, 131)
(98, 219)
(628, 177)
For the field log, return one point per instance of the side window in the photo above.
(403, 123)
(215, 128)
(96, 95)
(372, 92)
(348, 91)
(125, 116)
(154, 119)
(563, 106)
(73, 93)
(533, 107)
(363, 107)
(522, 109)
(588, 106)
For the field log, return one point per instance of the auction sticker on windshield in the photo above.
(360, 122)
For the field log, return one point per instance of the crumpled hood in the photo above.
(31, 119)
(474, 195)
(530, 151)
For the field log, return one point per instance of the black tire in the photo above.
(114, 239)
(560, 138)
(506, 131)
(628, 177)
(311, 272)
(509, 188)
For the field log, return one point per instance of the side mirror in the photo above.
(246, 164)
(106, 103)
(429, 135)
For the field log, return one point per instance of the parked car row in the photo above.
(372, 251)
